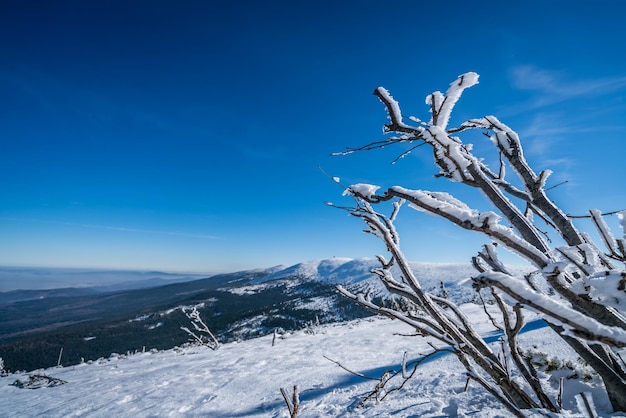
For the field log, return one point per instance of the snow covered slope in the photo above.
(355, 273)
(238, 306)
(244, 379)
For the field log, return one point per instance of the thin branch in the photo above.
(371, 146)
(511, 332)
(389, 375)
(405, 153)
(557, 185)
(351, 371)
(615, 212)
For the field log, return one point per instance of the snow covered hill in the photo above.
(355, 274)
(238, 306)
(244, 379)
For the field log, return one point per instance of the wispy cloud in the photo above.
(146, 231)
(556, 86)
(552, 128)
(118, 228)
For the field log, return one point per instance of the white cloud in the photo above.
(556, 86)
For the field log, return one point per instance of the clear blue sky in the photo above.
(186, 135)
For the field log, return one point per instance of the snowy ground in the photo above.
(244, 379)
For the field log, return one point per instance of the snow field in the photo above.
(244, 379)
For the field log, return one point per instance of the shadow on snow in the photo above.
(311, 394)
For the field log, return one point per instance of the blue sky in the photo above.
(186, 136)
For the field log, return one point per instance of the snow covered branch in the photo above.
(578, 288)
(443, 320)
(395, 115)
(441, 106)
(555, 312)
(206, 337)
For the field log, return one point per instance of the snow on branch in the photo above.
(587, 291)
(393, 109)
(441, 106)
(508, 142)
(609, 287)
(450, 154)
(605, 233)
(367, 191)
(206, 337)
(293, 403)
(621, 243)
(578, 324)
(444, 205)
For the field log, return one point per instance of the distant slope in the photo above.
(237, 306)
(55, 308)
(37, 278)
(357, 273)
(24, 295)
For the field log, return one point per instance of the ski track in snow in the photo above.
(244, 379)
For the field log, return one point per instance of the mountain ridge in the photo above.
(237, 306)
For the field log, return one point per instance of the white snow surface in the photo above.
(244, 379)
(331, 270)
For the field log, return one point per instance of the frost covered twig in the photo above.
(445, 322)
(587, 291)
(206, 337)
(405, 372)
(587, 404)
(361, 375)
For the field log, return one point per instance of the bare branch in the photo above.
(351, 371)
(293, 404)
(615, 212)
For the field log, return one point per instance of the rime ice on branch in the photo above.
(587, 285)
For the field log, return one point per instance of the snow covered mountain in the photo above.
(244, 376)
(356, 274)
(237, 306)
